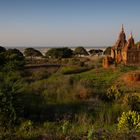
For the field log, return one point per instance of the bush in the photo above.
(129, 121)
(90, 134)
(133, 101)
(113, 93)
(25, 129)
(40, 74)
(12, 59)
(98, 62)
(65, 127)
(2, 49)
(82, 92)
(11, 89)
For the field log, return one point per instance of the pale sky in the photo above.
(67, 22)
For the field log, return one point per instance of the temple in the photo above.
(125, 51)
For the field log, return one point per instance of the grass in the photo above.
(74, 69)
(67, 104)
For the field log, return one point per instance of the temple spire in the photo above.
(131, 35)
(122, 28)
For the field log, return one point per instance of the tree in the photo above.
(80, 51)
(138, 43)
(11, 87)
(94, 52)
(59, 53)
(31, 52)
(2, 49)
(107, 51)
(12, 58)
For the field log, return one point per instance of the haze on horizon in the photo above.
(67, 22)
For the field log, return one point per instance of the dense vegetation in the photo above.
(31, 52)
(107, 51)
(80, 51)
(95, 52)
(138, 43)
(80, 100)
(59, 53)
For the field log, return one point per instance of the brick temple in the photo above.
(125, 51)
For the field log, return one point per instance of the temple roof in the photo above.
(131, 43)
(121, 42)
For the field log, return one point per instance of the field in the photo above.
(79, 100)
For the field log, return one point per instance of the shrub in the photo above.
(11, 89)
(81, 92)
(50, 127)
(87, 82)
(113, 93)
(90, 134)
(37, 86)
(129, 121)
(74, 61)
(65, 127)
(133, 101)
(98, 62)
(12, 59)
(40, 74)
(2, 49)
(107, 114)
(25, 129)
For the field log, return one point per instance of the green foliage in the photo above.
(73, 69)
(95, 52)
(31, 52)
(65, 127)
(80, 51)
(25, 129)
(7, 110)
(90, 134)
(127, 68)
(133, 101)
(107, 114)
(2, 49)
(129, 121)
(12, 59)
(113, 93)
(14, 54)
(11, 87)
(63, 106)
(138, 43)
(107, 51)
(59, 53)
(40, 74)
(98, 62)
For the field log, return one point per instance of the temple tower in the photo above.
(119, 45)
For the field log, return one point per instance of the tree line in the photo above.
(63, 52)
